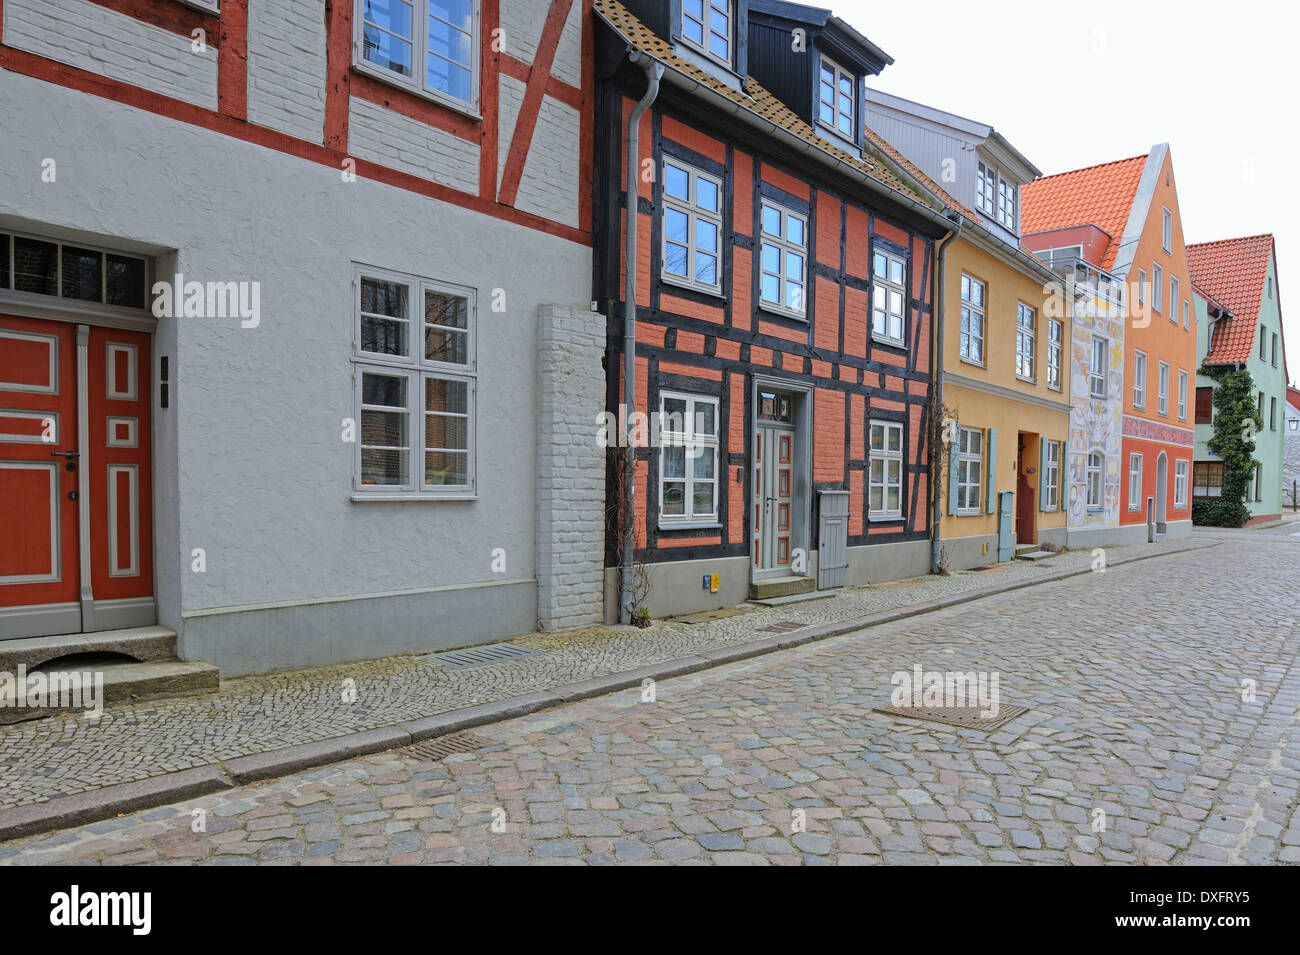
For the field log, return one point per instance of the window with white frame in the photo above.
(1096, 465)
(783, 259)
(692, 227)
(1173, 299)
(986, 188)
(706, 24)
(1167, 232)
(1272, 414)
(1055, 352)
(1135, 482)
(1162, 395)
(688, 458)
(888, 296)
(1052, 476)
(1139, 379)
(416, 377)
(1099, 370)
(885, 477)
(970, 470)
(1259, 482)
(1157, 288)
(836, 93)
(1263, 343)
(1180, 484)
(1142, 286)
(429, 45)
(1006, 213)
(1026, 334)
(1275, 349)
(1187, 314)
(972, 319)
(1182, 394)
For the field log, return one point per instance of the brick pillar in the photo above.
(570, 468)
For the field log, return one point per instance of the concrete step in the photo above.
(781, 587)
(1034, 554)
(123, 682)
(1025, 548)
(794, 598)
(139, 643)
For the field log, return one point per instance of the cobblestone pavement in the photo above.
(67, 754)
(1134, 679)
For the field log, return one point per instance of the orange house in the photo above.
(1123, 218)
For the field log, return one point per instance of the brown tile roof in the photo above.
(1233, 271)
(1098, 195)
(754, 97)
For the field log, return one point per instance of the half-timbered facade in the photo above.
(783, 307)
(286, 292)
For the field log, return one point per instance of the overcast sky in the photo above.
(1073, 85)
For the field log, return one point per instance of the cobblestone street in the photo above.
(1134, 680)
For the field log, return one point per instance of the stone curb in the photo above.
(105, 803)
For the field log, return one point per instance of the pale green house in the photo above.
(1239, 323)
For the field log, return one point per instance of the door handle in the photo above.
(70, 455)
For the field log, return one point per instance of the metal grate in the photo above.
(480, 656)
(967, 717)
(785, 626)
(443, 746)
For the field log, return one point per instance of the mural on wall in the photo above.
(1096, 424)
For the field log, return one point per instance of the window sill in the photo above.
(889, 342)
(976, 364)
(678, 282)
(971, 513)
(1027, 381)
(690, 526)
(785, 313)
(885, 518)
(359, 497)
(394, 80)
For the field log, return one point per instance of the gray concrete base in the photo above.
(260, 639)
(676, 587)
(963, 553)
(878, 563)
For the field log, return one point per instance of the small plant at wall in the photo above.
(641, 618)
(938, 440)
(1236, 422)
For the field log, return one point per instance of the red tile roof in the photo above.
(1293, 397)
(1098, 195)
(1232, 271)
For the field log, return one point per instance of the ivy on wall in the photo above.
(1236, 422)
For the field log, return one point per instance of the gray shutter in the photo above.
(993, 470)
(1042, 473)
(952, 469)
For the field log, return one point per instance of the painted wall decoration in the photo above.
(1096, 424)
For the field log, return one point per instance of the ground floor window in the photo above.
(970, 469)
(1180, 484)
(1134, 482)
(886, 470)
(1096, 465)
(688, 458)
(1051, 493)
(1207, 479)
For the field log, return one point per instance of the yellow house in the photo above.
(1004, 394)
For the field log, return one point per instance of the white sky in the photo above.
(1076, 84)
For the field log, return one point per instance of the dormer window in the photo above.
(996, 196)
(835, 96)
(706, 24)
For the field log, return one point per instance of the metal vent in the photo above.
(967, 717)
(785, 626)
(443, 746)
(480, 656)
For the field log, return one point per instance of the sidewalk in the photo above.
(66, 769)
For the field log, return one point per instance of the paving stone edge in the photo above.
(81, 808)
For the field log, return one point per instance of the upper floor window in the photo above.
(1026, 333)
(1139, 379)
(835, 96)
(1142, 286)
(1173, 300)
(1263, 343)
(1157, 288)
(692, 227)
(416, 379)
(1098, 373)
(1162, 390)
(1204, 405)
(430, 45)
(1275, 349)
(1055, 352)
(1167, 232)
(888, 296)
(972, 319)
(1182, 394)
(986, 188)
(72, 271)
(1187, 314)
(707, 24)
(1006, 213)
(785, 253)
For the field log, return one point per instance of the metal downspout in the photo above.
(936, 368)
(654, 71)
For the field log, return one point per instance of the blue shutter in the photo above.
(952, 469)
(993, 470)
(1042, 473)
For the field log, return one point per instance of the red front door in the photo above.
(76, 550)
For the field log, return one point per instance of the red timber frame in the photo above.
(228, 32)
(720, 345)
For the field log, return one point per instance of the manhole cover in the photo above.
(441, 747)
(967, 717)
(785, 626)
(480, 656)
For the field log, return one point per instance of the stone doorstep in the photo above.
(139, 643)
(128, 682)
(81, 808)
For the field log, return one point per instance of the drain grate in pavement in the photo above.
(785, 626)
(443, 746)
(481, 656)
(967, 717)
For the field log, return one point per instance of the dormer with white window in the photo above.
(708, 34)
(971, 160)
(816, 64)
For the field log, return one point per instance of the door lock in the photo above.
(70, 455)
(72, 495)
